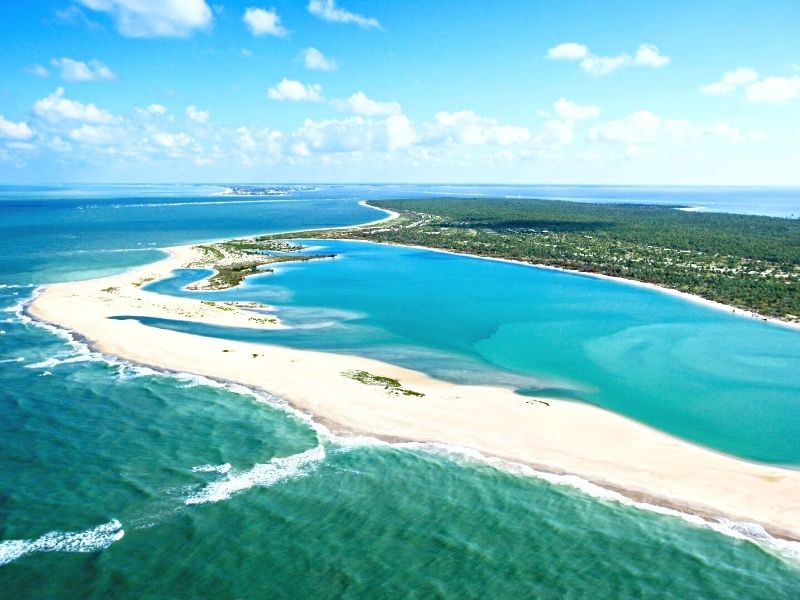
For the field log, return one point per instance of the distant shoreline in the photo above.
(694, 298)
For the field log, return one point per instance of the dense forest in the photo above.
(750, 262)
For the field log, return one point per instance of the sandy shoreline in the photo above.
(562, 437)
(686, 296)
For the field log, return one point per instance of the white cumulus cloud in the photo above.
(98, 135)
(151, 110)
(261, 21)
(353, 134)
(55, 108)
(360, 104)
(38, 70)
(774, 90)
(172, 140)
(572, 111)
(645, 127)
(767, 90)
(400, 132)
(296, 91)
(317, 61)
(196, 115)
(14, 131)
(560, 131)
(154, 18)
(568, 51)
(76, 70)
(646, 55)
(328, 11)
(467, 128)
(604, 65)
(730, 82)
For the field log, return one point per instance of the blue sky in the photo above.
(446, 91)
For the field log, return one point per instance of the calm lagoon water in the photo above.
(709, 376)
(120, 481)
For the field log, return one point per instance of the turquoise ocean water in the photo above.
(119, 481)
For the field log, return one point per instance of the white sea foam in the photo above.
(90, 540)
(222, 469)
(16, 308)
(261, 475)
(79, 350)
(127, 370)
(55, 361)
(192, 380)
(13, 286)
(13, 360)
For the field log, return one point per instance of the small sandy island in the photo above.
(367, 397)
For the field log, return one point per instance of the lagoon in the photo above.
(718, 379)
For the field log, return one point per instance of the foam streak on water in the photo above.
(222, 469)
(90, 540)
(261, 475)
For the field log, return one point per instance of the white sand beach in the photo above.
(559, 437)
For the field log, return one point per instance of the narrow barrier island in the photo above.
(748, 262)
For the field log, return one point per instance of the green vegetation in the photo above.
(260, 243)
(231, 275)
(264, 320)
(210, 253)
(234, 260)
(217, 305)
(749, 262)
(387, 383)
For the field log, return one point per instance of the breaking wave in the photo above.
(260, 475)
(90, 540)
